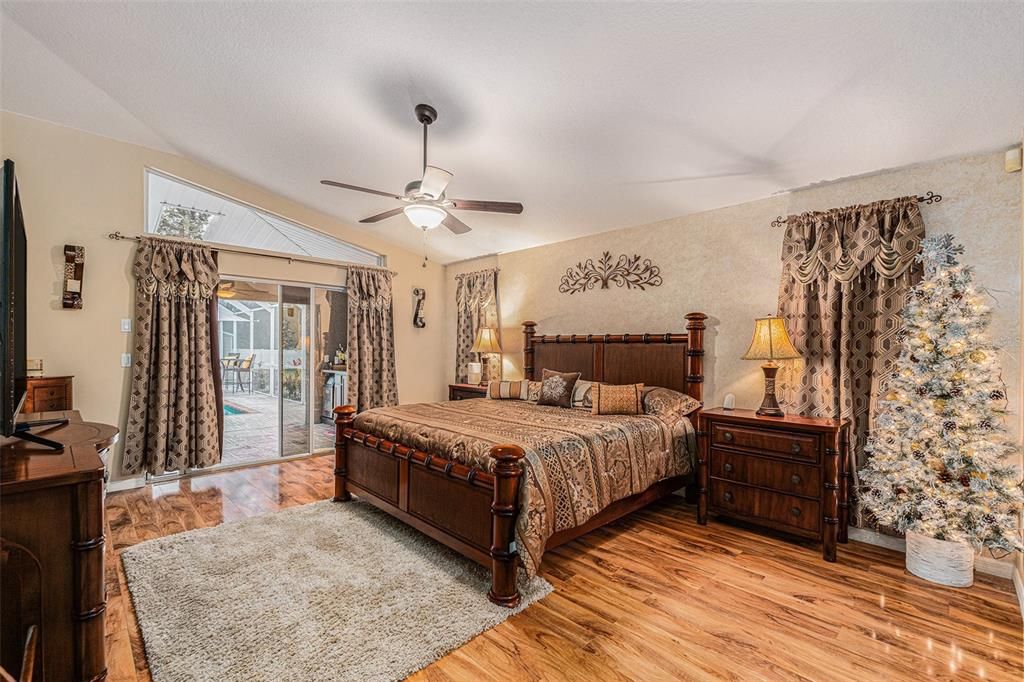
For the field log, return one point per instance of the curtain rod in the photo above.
(117, 236)
(928, 198)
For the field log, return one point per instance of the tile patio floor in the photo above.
(252, 434)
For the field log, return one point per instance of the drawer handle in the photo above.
(795, 448)
(795, 511)
(727, 467)
(795, 479)
(727, 435)
(728, 496)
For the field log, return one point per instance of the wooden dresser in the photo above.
(48, 394)
(463, 391)
(51, 506)
(787, 473)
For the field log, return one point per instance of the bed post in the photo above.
(508, 474)
(344, 415)
(695, 354)
(529, 328)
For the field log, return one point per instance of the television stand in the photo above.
(21, 432)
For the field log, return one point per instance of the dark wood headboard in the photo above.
(673, 361)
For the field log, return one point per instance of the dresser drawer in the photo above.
(43, 393)
(784, 511)
(778, 443)
(785, 477)
(52, 405)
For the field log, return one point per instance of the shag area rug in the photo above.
(325, 591)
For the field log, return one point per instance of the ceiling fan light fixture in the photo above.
(425, 216)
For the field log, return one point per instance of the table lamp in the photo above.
(486, 343)
(771, 343)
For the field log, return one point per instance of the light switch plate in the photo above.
(126, 324)
(126, 359)
(34, 364)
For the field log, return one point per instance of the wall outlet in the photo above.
(34, 364)
(126, 359)
(126, 325)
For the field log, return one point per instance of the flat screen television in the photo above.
(12, 307)
(14, 288)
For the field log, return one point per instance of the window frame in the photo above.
(382, 259)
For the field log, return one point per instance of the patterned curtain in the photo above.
(476, 299)
(371, 339)
(173, 418)
(846, 274)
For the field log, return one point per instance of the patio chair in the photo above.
(239, 374)
(229, 360)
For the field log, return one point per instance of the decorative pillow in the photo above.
(610, 399)
(534, 391)
(664, 402)
(556, 388)
(581, 394)
(508, 390)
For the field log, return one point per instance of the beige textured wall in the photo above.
(77, 187)
(726, 263)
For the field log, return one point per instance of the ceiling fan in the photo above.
(426, 205)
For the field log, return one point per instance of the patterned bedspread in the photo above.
(576, 463)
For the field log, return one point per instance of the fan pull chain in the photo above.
(425, 258)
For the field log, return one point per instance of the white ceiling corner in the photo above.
(595, 116)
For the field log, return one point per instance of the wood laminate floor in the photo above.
(654, 596)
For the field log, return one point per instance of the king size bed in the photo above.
(501, 481)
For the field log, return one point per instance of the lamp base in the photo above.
(770, 405)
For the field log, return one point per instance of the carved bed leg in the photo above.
(508, 473)
(344, 415)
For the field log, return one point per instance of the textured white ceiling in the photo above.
(595, 116)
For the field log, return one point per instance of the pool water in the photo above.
(230, 409)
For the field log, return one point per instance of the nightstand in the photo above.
(464, 391)
(787, 473)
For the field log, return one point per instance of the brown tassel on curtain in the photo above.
(846, 273)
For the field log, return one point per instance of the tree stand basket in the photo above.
(940, 561)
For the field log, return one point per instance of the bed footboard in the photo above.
(470, 510)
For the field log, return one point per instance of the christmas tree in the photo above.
(938, 455)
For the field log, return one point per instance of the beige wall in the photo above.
(77, 187)
(726, 263)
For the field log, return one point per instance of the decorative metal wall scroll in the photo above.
(74, 270)
(630, 272)
(419, 295)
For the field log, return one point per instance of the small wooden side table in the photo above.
(465, 391)
(788, 473)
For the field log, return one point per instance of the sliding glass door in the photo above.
(283, 367)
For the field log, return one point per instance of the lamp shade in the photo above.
(770, 342)
(486, 341)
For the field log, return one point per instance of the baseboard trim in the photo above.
(983, 564)
(1018, 584)
(126, 484)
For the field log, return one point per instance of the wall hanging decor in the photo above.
(74, 269)
(631, 272)
(419, 295)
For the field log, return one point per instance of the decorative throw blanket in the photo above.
(576, 463)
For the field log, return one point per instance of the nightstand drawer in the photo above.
(44, 393)
(794, 479)
(778, 443)
(784, 511)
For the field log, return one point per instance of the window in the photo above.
(179, 209)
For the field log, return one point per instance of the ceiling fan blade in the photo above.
(488, 206)
(342, 185)
(434, 181)
(382, 216)
(456, 225)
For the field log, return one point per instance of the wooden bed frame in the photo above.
(474, 511)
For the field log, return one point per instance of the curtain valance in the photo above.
(171, 269)
(841, 242)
